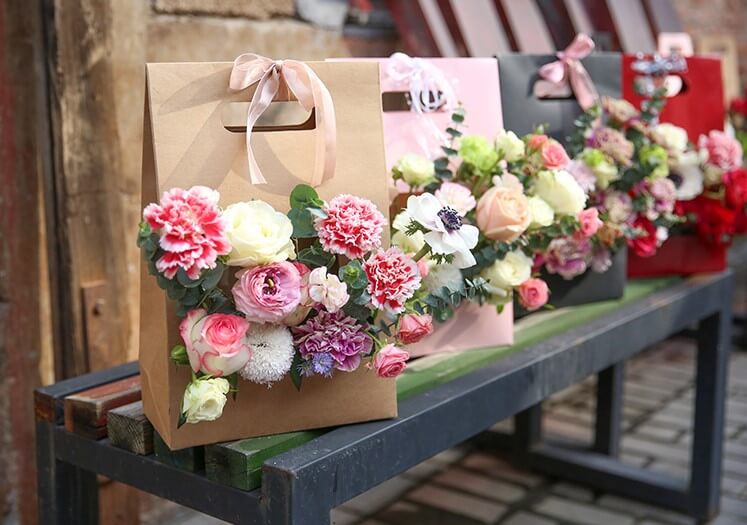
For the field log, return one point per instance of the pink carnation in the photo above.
(554, 156)
(191, 229)
(723, 150)
(392, 279)
(352, 226)
(589, 223)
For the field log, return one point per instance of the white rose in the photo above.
(416, 170)
(605, 173)
(258, 234)
(409, 243)
(541, 213)
(509, 146)
(204, 399)
(327, 289)
(561, 191)
(672, 137)
(507, 273)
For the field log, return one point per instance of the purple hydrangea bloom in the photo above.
(336, 335)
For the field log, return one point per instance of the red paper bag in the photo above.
(699, 105)
(679, 255)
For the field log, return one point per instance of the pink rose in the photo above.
(267, 294)
(590, 223)
(554, 155)
(216, 343)
(537, 141)
(503, 213)
(414, 327)
(390, 361)
(533, 294)
(422, 267)
(723, 150)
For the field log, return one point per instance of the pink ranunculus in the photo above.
(723, 150)
(390, 361)
(269, 293)
(414, 327)
(554, 155)
(191, 230)
(352, 226)
(216, 343)
(589, 223)
(393, 278)
(533, 294)
(537, 141)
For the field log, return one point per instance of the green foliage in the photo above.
(179, 355)
(315, 257)
(305, 205)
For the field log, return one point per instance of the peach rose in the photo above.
(503, 211)
(533, 294)
(390, 361)
(537, 141)
(554, 155)
(414, 327)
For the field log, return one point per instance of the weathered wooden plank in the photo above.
(86, 412)
(191, 459)
(128, 428)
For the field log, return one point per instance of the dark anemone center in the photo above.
(676, 178)
(451, 219)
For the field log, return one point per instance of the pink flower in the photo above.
(351, 228)
(456, 196)
(503, 210)
(537, 141)
(533, 294)
(327, 289)
(583, 175)
(393, 278)
(723, 150)
(423, 267)
(554, 155)
(567, 256)
(267, 294)
(332, 340)
(192, 232)
(614, 144)
(664, 193)
(589, 223)
(216, 343)
(390, 361)
(414, 327)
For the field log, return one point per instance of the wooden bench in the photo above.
(444, 400)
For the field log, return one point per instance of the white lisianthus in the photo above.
(204, 399)
(444, 275)
(509, 146)
(409, 243)
(506, 274)
(327, 289)
(672, 137)
(272, 354)
(401, 221)
(605, 172)
(541, 213)
(561, 191)
(258, 234)
(416, 170)
(447, 234)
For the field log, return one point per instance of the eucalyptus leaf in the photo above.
(185, 281)
(303, 223)
(304, 196)
(295, 371)
(212, 277)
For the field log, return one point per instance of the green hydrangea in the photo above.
(592, 157)
(655, 158)
(477, 151)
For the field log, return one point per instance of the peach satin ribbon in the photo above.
(568, 70)
(310, 92)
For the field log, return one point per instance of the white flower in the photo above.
(447, 234)
(416, 170)
(409, 243)
(444, 275)
(204, 399)
(662, 234)
(619, 206)
(272, 354)
(506, 274)
(713, 175)
(561, 191)
(401, 221)
(327, 289)
(509, 146)
(672, 137)
(541, 213)
(456, 196)
(687, 176)
(258, 234)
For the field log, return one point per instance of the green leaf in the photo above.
(458, 117)
(233, 381)
(176, 293)
(295, 371)
(363, 298)
(182, 309)
(212, 277)
(304, 196)
(303, 223)
(356, 311)
(184, 280)
(449, 151)
(179, 355)
(315, 257)
(441, 163)
(353, 276)
(453, 132)
(182, 420)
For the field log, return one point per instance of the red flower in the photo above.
(644, 245)
(739, 105)
(735, 183)
(714, 222)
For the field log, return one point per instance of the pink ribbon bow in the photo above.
(310, 92)
(569, 71)
(429, 89)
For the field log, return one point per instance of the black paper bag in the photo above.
(523, 111)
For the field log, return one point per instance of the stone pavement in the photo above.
(468, 485)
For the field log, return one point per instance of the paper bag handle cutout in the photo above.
(279, 116)
(428, 90)
(567, 76)
(659, 70)
(309, 90)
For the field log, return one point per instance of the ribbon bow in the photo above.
(569, 71)
(310, 92)
(428, 87)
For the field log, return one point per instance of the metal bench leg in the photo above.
(714, 345)
(609, 410)
(67, 494)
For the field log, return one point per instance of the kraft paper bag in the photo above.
(190, 140)
(523, 110)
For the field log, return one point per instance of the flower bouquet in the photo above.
(264, 296)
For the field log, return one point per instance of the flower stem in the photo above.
(425, 250)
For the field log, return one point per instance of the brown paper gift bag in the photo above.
(188, 141)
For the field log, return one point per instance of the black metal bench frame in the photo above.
(302, 485)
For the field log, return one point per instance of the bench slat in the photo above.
(128, 428)
(86, 412)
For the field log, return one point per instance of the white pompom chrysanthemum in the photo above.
(444, 275)
(272, 354)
